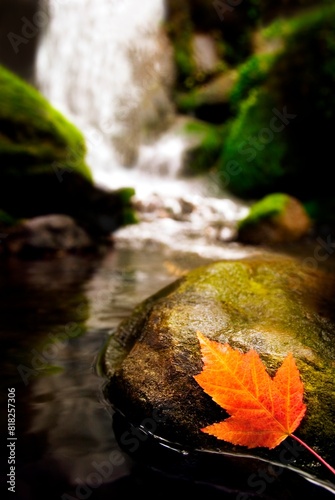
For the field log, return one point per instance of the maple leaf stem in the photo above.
(314, 453)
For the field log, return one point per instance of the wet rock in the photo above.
(273, 304)
(47, 234)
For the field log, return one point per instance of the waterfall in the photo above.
(108, 66)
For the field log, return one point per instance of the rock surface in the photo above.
(277, 218)
(47, 234)
(273, 304)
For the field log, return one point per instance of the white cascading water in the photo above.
(107, 65)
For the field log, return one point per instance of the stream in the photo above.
(56, 314)
(55, 317)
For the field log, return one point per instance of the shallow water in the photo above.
(55, 316)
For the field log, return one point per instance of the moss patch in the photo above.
(253, 149)
(280, 137)
(35, 137)
(251, 73)
(269, 206)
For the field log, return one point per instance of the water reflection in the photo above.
(55, 316)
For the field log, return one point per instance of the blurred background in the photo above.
(218, 105)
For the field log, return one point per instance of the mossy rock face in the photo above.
(43, 168)
(42, 154)
(279, 111)
(280, 138)
(34, 137)
(272, 304)
(253, 150)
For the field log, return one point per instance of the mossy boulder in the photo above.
(36, 138)
(271, 303)
(43, 166)
(276, 218)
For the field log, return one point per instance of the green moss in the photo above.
(129, 214)
(269, 206)
(126, 194)
(253, 295)
(184, 59)
(256, 69)
(34, 135)
(187, 102)
(202, 128)
(303, 80)
(284, 27)
(252, 160)
(210, 137)
(251, 73)
(296, 79)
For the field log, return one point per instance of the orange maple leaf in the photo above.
(264, 410)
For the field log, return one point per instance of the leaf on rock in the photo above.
(263, 410)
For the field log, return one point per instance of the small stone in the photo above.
(277, 218)
(48, 234)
